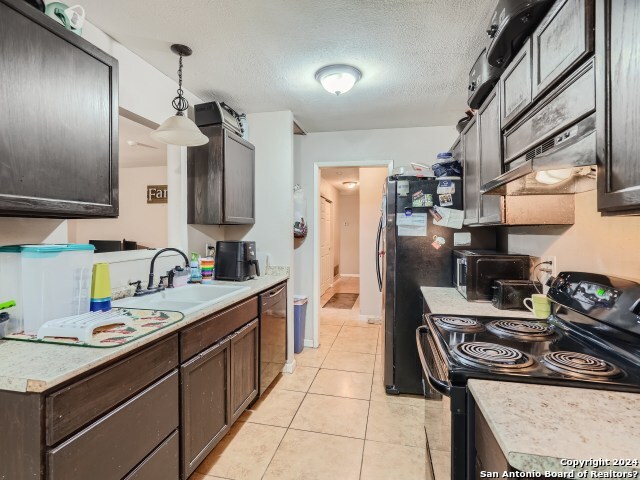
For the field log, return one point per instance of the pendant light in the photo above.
(179, 129)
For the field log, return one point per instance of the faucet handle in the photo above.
(138, 285)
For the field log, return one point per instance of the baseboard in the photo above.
(371, 319)
(351, 275)
(308, 343)
(289, 367)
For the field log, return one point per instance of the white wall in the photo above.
(272, 135)
(332, 194)
(594, 243)
(400, 145)
(349, 222)
(145, 223)
(371, 183)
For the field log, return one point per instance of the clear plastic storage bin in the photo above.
(46, 281)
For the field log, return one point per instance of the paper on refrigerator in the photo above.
(414, 225)
(450, 218)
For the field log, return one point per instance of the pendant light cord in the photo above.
(180, 103)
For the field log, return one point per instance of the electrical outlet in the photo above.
(553, 268)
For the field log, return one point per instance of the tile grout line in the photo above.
(364, 443)
(288, 427)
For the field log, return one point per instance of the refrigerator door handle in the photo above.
(379, 253)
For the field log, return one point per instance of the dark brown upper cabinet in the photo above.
(490, 156)
(562, 40)
(221, 179)
(59, 117)
(471, 180)
(515, 86)
(618, 106)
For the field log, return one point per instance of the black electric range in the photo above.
(591, 340)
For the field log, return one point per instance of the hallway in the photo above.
(331, 418)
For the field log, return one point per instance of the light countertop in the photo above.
(448, 301)
(537, 426)
(36, 367)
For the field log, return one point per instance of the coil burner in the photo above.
(580, 365)
(491, 356)
(460, 324)
(521, 330)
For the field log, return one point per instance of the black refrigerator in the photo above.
(413, 252)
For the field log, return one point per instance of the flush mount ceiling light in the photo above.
(350, 184)
(338, 79)
(179, 129)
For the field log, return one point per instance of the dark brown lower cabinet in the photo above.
(154, 414)
(217, 385)
(489, 456)
(113, 446)
(205, 403)
(244, 368)
(162, 463)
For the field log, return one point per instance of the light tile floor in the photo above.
(330, 419)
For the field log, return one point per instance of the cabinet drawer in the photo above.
(73, 407)
(162, 463)
(566, 105)
(115, 444)
(515, 86)
(195, 339)
(562, 40)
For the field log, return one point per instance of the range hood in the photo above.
(562, 164)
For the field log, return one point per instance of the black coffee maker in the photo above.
(236, 261)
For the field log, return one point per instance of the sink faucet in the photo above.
(153, 261)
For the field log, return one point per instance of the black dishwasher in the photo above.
(273, 334)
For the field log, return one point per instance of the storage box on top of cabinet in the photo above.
(46, 282)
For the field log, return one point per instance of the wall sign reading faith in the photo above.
(157, 194)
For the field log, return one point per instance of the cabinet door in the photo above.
(618, 105)
(490, 155)
(239, 180)
(471, 174)
(244, 368)
(457, 150)
(561, 41)
(205, 179)
(205, 404)
(515, 86)
(59, 120)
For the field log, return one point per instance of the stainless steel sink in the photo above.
(186, 299)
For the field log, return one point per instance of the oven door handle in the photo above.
(440, 386)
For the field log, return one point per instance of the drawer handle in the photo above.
(274, 293)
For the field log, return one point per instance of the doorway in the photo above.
(326, 247)
(347, 199)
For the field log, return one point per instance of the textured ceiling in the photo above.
(336, 175)
(261, 55)
(147, 152)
